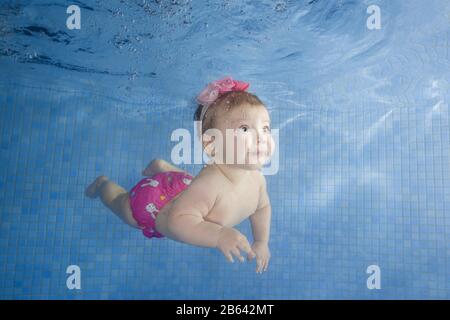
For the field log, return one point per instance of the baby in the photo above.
(231, 188)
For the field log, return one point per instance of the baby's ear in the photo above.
(212, 140)
(207, 142)
(207, 138)
(210, 136)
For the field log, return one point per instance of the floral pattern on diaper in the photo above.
(151, 208)
(151, 182)
(187, 181)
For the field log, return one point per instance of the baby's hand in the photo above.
(231, 242)
(262, 255)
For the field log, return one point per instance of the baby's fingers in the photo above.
(259, 265)
(262, 264)
(228, 256)
(266, 264)
(245, 246)
(251, 256)
(237, 254)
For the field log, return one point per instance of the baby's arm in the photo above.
(186, 220)
(260, 222)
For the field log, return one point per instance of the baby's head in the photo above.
(242, 121)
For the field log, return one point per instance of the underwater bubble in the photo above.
(280, 7)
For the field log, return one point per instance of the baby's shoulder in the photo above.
(256, 181)
(208, 176)
(259, 177)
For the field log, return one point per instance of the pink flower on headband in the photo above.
(214, 89)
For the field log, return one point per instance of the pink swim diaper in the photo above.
(151, 194)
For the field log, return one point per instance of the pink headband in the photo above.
(215, 89)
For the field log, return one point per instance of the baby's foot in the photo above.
(92, 190)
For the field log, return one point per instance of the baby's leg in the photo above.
(114, 197)
(159, 165)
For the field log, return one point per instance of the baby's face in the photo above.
(249, 127)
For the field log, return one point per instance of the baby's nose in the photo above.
(259, 135)
(262, 137)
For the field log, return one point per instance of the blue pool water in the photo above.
(364, 148)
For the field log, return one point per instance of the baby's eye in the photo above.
(243, 128)
(266, 129)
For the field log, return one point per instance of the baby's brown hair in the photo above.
(227, 100)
